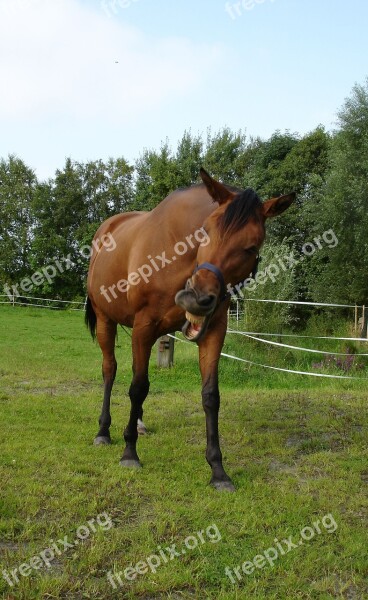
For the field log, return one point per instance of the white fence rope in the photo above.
(45, 299)
(17, 300)
(250, 362)
(304, 303)
(252, 337)
(39, 305)
(296, 335)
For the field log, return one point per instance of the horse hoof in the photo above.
(223, 486)
(141, 428)
(130, 463)
(101, 440)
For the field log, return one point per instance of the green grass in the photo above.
(296, 448)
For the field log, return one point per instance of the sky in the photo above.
(110, 78)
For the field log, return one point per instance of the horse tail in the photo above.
(90, 318)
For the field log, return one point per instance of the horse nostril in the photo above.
(206, 300)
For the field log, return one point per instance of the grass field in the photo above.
(296, 448)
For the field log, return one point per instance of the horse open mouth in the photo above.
(195, 326)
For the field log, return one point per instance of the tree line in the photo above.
(46, 221)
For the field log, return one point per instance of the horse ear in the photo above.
(215, 189)
(276, 206)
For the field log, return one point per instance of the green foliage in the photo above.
(155, 177)
(67, 213)
(342, 273)
(188, 159)
(223, 155)
(268, 158)
(17, 189)
(286, 163)
(159, 173)
(277, 283)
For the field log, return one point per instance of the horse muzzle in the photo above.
(199, 309)
(199, 306)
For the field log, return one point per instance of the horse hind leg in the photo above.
(106, 332)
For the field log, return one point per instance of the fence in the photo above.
(166, 351)
(24, 301)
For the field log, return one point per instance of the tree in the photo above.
(264, 172)
(68, 210)
(156, 177)
(188, 160)
(303, 170)
(17, 188)
(59, 210)
(108, 190)
(223, 155)
(340, 273)
(276, 279)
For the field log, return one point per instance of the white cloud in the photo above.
(58, 62)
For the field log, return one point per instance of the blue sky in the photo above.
(93, 79)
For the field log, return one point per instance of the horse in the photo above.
(168, 269)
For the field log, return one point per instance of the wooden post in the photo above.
(165, 351)
(362, 333)
(363, 325)
(356, 321)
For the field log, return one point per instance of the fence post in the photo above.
(356, 321)
(363, 323)
(165, 351)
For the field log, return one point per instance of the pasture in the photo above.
(295, 447)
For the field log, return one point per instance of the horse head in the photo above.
(236, 231)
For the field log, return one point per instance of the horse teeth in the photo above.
(194, 319)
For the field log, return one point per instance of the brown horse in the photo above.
(172, 268)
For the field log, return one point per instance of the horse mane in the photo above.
(245, 205)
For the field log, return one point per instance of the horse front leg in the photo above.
(142, 341)
(209, 355)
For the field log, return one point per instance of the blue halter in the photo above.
(219, 275)
(210, 267)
